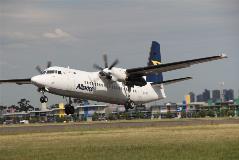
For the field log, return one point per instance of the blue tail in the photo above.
(154, 59)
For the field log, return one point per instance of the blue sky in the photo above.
(77, 33)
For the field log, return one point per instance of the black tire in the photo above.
(131, 105)
(72, 109)
(67, 109)
(45, 98)
(42, 99)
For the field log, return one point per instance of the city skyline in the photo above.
(214, 95)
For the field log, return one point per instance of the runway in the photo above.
(38, 128)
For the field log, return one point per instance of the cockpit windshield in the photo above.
(52, 72)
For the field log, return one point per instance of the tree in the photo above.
(14, 107)
(24, 105)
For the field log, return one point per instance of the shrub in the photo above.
(210, 113)
(95, 117)
(202, 113)
(231, 113)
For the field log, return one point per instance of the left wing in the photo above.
(17, 81)
(144, 71)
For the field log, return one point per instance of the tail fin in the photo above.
(154, 59)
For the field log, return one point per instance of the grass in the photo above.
(211, 142)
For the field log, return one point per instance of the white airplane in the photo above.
(128, 87)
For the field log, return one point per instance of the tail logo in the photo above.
(155, 62)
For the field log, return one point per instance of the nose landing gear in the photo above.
(43, 98)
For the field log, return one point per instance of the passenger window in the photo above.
(59, 72)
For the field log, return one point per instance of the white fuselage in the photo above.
(89, 85)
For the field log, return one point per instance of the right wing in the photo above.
(17, 81)
(144, 71)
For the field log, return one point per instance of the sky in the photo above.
(77, 33)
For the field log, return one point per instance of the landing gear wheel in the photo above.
(43, 99)
(72, 110)
(69, 109)
(129, 105)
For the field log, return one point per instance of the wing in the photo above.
(143, 71)
(17, 81)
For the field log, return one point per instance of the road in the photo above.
(38, 128)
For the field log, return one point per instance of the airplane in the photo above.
(110, 84)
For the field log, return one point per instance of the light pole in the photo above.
(221, 94)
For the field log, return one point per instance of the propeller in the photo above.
(38, 68)
(101, 69)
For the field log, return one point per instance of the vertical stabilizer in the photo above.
(154, 59)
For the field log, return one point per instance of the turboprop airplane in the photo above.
(128, 87)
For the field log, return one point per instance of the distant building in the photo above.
(192, 96)
(228, 94)
(206, 95)
(199, 98)
(216, 95)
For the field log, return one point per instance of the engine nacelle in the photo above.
(118, 74)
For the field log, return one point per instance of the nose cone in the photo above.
(38, 80)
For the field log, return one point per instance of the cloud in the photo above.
(58, 33)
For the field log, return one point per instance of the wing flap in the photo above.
(143, 71)
(17, 81)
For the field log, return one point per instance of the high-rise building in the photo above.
(206, 95)
(192, 96)
(228, 94)
(215, 95)
(199, 98)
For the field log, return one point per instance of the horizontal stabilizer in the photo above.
(172, 81)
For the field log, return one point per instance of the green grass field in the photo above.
(211, 142)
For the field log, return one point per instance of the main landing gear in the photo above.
(129, 105)
(69, 108)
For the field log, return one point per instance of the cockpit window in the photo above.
(50, 71)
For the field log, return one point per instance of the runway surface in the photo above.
(49, 127)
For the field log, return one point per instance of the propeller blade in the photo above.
(105, 60)
(38, 68)
(48, 64)
(114, 64)
(98, 67)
